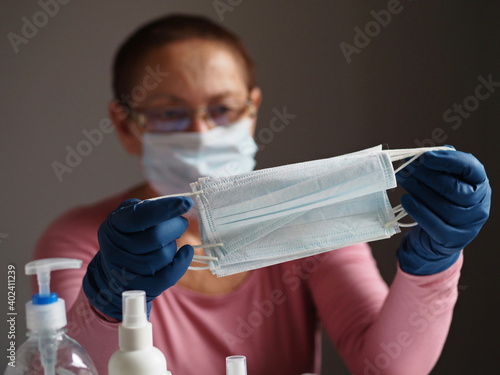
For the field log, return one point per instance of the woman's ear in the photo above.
(256, 98)
(127, 130)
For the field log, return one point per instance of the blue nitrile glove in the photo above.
(138, 251)
(449, 197)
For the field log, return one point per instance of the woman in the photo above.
(186, 103)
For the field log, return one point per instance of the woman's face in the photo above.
(188, 74)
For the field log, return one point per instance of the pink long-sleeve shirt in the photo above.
(274, 316)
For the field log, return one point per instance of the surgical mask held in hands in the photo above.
(274, 215)
(172, 161)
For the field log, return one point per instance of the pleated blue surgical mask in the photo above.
(274, 215)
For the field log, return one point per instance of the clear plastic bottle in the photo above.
(236, 365)
(63, 356)
(48, 350)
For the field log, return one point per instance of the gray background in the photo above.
(394, 92)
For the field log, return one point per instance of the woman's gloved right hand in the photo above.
(138, 251)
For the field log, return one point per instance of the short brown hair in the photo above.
(171, 29)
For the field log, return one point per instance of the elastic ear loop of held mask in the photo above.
(413, 154)
(204, 259)
(190, 194)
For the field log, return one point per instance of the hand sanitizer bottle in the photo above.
(137, 355)
(48, 350)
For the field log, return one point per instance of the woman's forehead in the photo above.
(192, 69)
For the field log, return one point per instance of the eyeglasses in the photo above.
(177, 119)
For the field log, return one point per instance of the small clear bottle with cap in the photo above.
(236, 365)
(137, 355)
(48, 350)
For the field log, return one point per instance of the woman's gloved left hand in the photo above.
(449, 197)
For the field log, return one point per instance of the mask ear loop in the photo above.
(204, 259)
(189, 194)
(405, 164)
(414, 153)
(400, 213)
(400, 154)
(198, 259)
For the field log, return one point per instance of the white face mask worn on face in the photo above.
(274, 215)
(172, 161)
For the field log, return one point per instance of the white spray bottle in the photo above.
(48, 350)
(137, 355)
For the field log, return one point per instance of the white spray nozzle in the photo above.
(43, 267)
(134, 308)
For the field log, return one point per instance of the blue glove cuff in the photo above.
(98, 293)
(412, 259)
